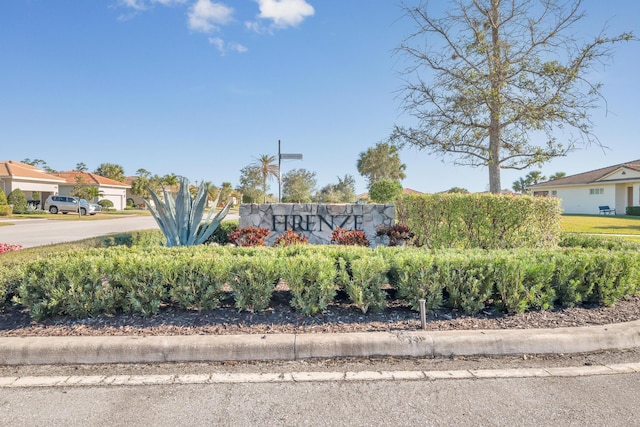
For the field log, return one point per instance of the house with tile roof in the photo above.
(616, 186)
(33, 181)
(365, 196)
(110, 189)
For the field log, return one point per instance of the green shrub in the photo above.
(11, 275)
(571, 279)
(70, 284)
(633, 210)
(613, 276)
(6, 210)
(3, 198)
(106, 204)
(143, 238)
(4, 284)
(197, 282)
(364, 286)
(18, 200)
(467, 279)
(344, 257)
(578, 240)
(416, 278)
(140, 279)
(385, 191)
(485, 221)
(221, 235)
(253, 281)
(311, 280)
(522, 281)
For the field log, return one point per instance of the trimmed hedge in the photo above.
(586, 241)
(485, 221)
(633, 210)
(138, 280)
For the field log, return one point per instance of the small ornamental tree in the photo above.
(385, 191)
(3, 198)
(18, 200)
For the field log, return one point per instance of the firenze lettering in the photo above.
(313, 222)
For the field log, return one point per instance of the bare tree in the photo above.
(491, 78)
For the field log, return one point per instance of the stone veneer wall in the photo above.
(316, 221)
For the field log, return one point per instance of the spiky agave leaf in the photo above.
(161, 212)
(179, 219)
(212, 225)
(197, 212)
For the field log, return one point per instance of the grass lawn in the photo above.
(601, 224)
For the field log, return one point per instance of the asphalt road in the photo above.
(580, 401)
(40, 232)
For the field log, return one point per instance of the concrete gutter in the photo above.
(198, 348)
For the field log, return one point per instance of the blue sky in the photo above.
(201, 87)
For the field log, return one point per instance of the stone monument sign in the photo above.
(316, 221)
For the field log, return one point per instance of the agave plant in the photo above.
(180, 217)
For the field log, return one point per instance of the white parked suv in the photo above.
(66, 204)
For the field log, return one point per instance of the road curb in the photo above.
(199, 348)
(317, 377)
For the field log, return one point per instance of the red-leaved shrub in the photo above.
(249, 236)
(340, 236)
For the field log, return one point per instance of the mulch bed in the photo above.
(280, 318)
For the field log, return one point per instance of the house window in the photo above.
(596, 191)
(554, 193)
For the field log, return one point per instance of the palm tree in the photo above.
(267, 168)
(170, 180)
(557, 175)
(535, 177)
(93, 192)
(520, 186)
(212, 191)
(111, 171)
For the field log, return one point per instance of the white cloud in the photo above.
(218, 43)
(237, 47)
(205, 16)
(223, 47)
(139, 6)
(169, 2)
(285, 13)
(146, 4)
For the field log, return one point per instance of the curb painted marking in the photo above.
(243, 378)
